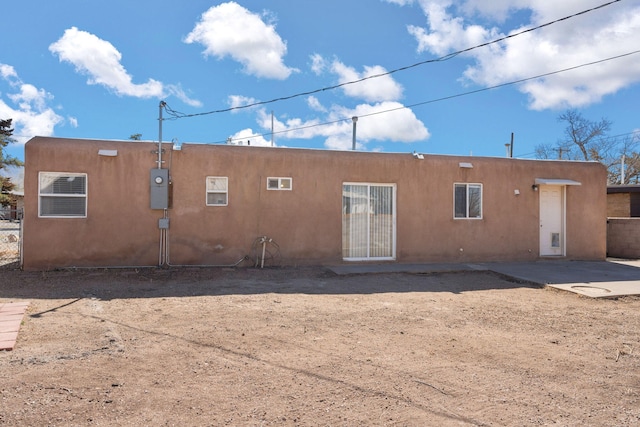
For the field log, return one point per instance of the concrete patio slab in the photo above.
(596, 279)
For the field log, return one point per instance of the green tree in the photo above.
(588, 140)
(136, 137)
(6, 186)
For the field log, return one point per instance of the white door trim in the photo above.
(553, 224)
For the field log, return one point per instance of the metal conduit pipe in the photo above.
(166, 247)
(165, 242)
(244, 258)
(111, 267)
(133, 267)
(160, 250)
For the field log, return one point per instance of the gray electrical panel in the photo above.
(159, 184)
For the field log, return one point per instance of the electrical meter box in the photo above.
(159, 184)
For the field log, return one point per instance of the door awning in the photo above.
(554, 181)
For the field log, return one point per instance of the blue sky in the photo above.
(88, 69)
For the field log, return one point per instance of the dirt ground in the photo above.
(305, 347)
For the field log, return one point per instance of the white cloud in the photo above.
(28, 107)
(499, 10)
(397, 124)
(597, 35)
(236, 101)
(176, 90)
(315, 104)
(445, 32)
(249, 137)
(294, 128)
(7, 71)
(231, 30)
(400, 2)
(318, 64)
(100, 60)
(383, 88)
(30, 97)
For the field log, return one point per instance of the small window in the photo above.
(62, 195)
(467, 201)
(279, 183)
(217, 191)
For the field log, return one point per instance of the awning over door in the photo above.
(554, 181)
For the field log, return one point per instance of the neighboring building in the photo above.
(623, 224)
(102, 203)
(623, 201)
(13, 211)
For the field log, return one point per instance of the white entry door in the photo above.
(368, 221)
(552, 220)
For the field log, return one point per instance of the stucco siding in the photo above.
(306, 222)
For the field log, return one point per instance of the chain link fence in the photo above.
(10, 237)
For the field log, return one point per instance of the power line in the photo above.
(348, 119)
(179, 115)
(506, 84)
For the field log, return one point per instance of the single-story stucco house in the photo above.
(94, 203)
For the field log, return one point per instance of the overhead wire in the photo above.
(445, 98)
(507, 83)
(179, 115)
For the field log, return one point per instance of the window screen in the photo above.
(217, 191)
(62, 194)
(467, 201)
(279, 183)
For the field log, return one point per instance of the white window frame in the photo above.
(367, 209)
(53, 176)
(467, 204)
(280, 183)
(217, 190)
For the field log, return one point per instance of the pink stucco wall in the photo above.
(121, 229)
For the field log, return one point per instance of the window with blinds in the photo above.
(217, 191)
(62, 195)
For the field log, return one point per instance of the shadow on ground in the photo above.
(109, 284)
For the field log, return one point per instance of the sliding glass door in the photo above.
(368, 221)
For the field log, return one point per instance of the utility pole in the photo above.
(353, 143)
(511, 146)
(160, 107)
